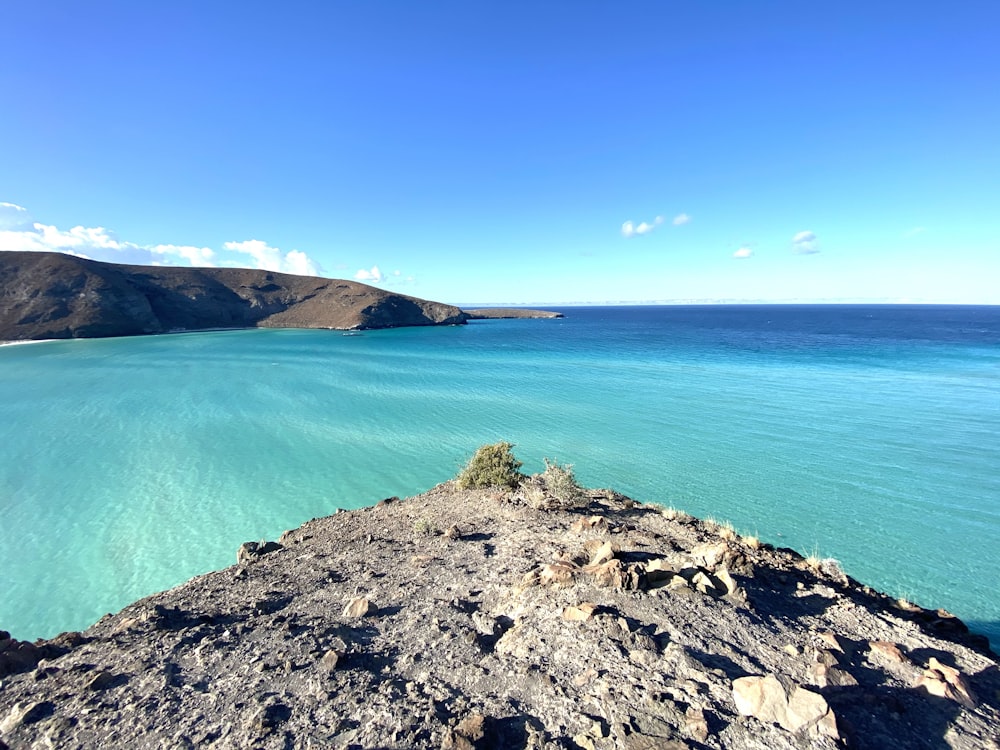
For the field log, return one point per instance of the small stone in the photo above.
(25, 713)
(702, 583)
(831, 640)
(593, 523)
(602, 554)
(421, 560)
(825, 676)
(888, 650)
(464, 736)
(792, 650)
(100, 680)
(329, 660)
(126, 623)
(709, 555)
(580, 613)
(827, 658)
(695, 724)
(252, 551)
(722, 575)
(584, 677)
(357, 608)
(809, 711)
(556, 573)
(452, 533)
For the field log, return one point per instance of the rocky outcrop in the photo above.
(57, 296)
(611, 624)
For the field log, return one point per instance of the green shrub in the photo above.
(491, 466)
(560, 483)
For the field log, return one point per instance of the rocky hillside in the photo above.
(488, 618)
(56, 296)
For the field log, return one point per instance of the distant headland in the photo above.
(58, 296)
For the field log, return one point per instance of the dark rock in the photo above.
(100, 680)
(17, 656)
(252, 551)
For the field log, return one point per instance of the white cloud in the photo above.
(264, 256)
(630, 229)
(681, 219)
(743, 252)
(196, 256)
(373, 275)
(269, 258)
(805, 243)
(299, 263)
(19, 232)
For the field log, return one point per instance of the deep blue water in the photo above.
(866, 433)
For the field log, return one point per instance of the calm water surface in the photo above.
(869, 434)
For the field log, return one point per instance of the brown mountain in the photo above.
(56, 296)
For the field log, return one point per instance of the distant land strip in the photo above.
(496, 313)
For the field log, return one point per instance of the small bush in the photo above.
(491, 466)
(425, 527)
(560, 483)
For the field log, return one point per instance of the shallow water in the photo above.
(871, 435)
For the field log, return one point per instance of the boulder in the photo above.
(17, 656)
(580, 613)
(357, 608)
(253, 551)
(946, 682)
(798, 710)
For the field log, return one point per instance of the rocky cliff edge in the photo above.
(488, 618)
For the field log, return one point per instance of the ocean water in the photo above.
(867, 434)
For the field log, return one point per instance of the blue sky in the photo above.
(516, 152)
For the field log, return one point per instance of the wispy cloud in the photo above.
(914, 232)
(375, 275)
(631, 229)
(19, 232)
(743, 252)
(805, 243)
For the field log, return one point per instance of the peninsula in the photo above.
(58, 296)
(521, 613)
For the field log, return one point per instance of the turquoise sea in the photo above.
(868, 434)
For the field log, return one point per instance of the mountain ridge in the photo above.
(58, 296)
